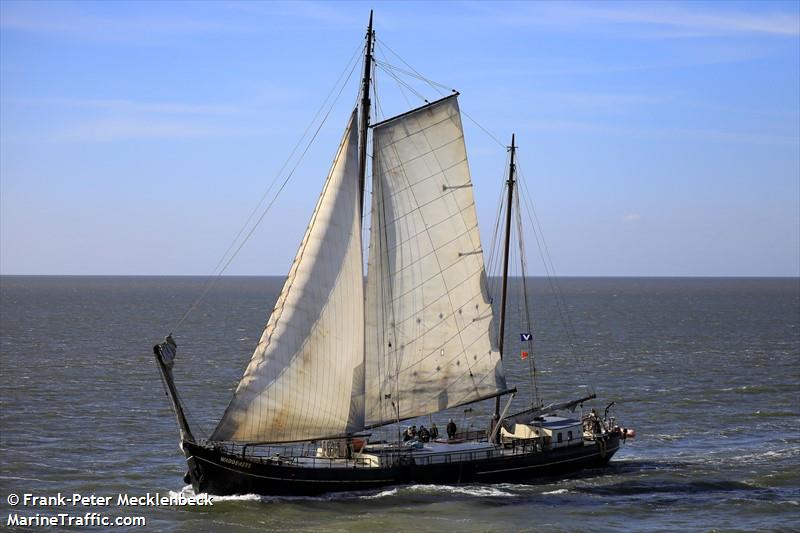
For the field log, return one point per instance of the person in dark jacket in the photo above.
(451, 429)
(434, 431)
(424, 435)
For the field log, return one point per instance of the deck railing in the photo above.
(305, 456)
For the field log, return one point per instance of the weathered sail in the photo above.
(300, 381)
(429, 333)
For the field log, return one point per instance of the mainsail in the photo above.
(429, 338)
(303, 380)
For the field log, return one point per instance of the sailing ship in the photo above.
(341, 357)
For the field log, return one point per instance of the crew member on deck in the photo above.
(596, 427)
(451, 429)
(434, 431)
(424, 434)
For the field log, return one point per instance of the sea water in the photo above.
(706, 370)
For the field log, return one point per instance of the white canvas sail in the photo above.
(300, 381)
(429, 332)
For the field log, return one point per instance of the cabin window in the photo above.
(569, 435)
(560, 437)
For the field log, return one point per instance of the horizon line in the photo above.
(621, 276)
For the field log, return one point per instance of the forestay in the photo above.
(303, 378)
(429, 333)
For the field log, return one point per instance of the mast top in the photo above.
(513, 149)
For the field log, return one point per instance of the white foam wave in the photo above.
(189, 491)
(381, 494)
(669, 437)
(467, 490)
(558, 491)
(478, 491)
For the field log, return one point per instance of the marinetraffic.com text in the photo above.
(69, 510)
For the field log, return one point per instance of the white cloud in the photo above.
(594, 99)
(140, 27)
(130, 106)
(109, 120)
(632, 217)
(126, 129)
(675, 20)
(641, 19)
(671, 133)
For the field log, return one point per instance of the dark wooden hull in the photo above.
(214, 472)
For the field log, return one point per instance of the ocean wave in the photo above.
(774, 414)
(669, 438)
(478, 491)
(482, 491)
(381, 494)
(634, 488)
(757, 389)
(188, 490)
(557, 491)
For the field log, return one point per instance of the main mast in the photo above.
(503, 300)
(365, 103)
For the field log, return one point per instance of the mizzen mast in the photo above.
(365, 105)
(503, 300)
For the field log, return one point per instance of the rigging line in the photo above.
(366, 212)
(526, 306)
(494, 249)
(378, 49)
(430, 82)
(406, 85)
(386, 64)
(436, 86)
(529, 323)
(213, 279)
(487, 132)
(378, 109)
(495, 264)
(549, 266)
(494, 260)
(194, 422)
(190, 416)
(549, 274)
(433, 85)
(561, 304)
(289, 158)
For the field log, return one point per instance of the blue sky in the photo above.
(656, 138)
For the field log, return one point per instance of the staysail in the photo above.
(303, 380)
(429, 338)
